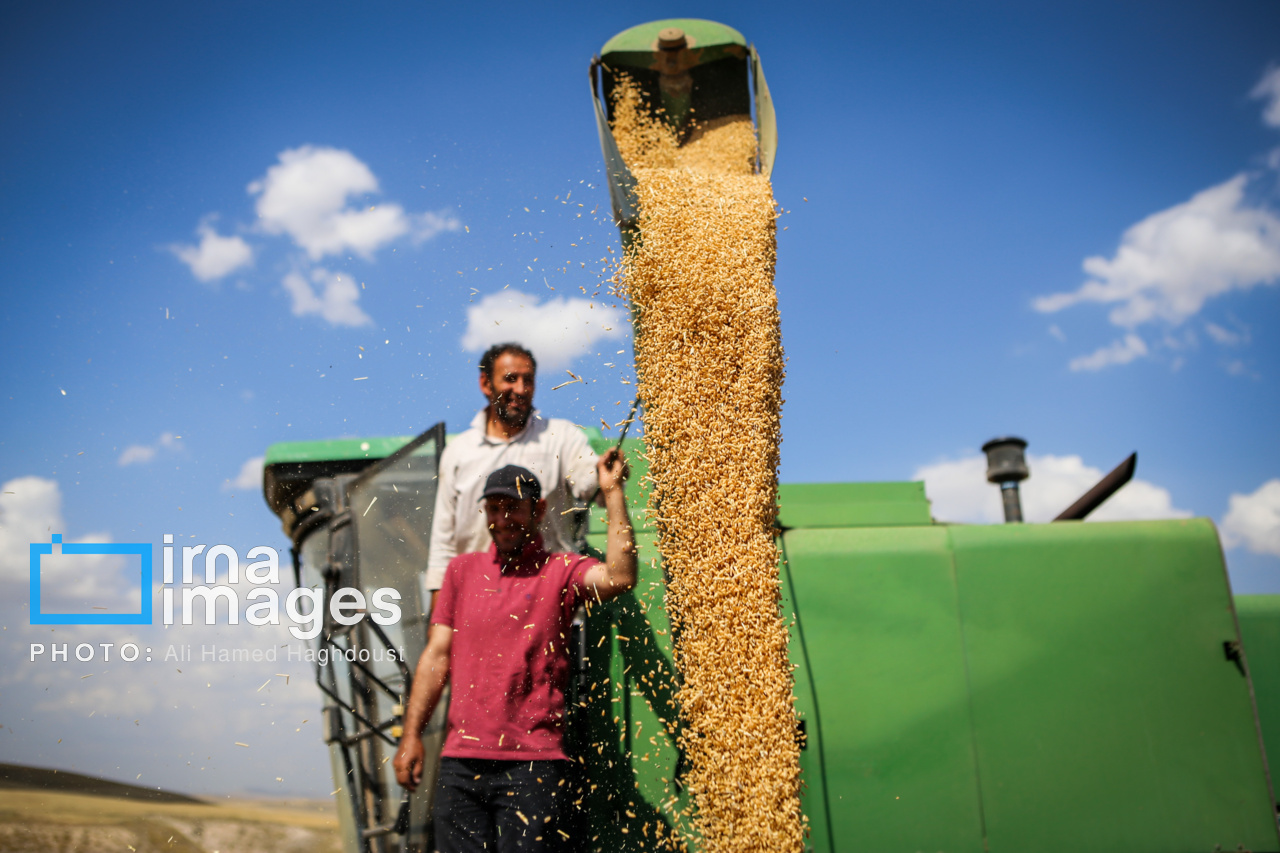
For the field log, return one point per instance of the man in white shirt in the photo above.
(508, 431)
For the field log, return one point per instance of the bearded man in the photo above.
(508, 431)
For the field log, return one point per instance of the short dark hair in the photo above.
(492, 353)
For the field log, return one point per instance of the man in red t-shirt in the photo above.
(500, 633)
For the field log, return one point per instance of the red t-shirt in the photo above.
(509, 661)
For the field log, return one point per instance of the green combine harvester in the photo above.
(1016, 688)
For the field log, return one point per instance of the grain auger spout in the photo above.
(689, 138)
(691, 72)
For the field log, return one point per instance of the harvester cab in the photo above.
(358, 515)
(690, 72)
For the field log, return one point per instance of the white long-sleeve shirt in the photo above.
(555, 450)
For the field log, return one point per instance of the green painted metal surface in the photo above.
(1106, 715)
(727, 79)
(1259, 617)
(810, 505)
(625, 722)
(1029, 687)
(636, 47)
(982, 689)
(337, 449)
(334, 449)
(637, 493)
(880, 621)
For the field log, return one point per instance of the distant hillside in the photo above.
(40, 778)
(46, 820)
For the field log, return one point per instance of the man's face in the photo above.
(510, 391)
(513, 521)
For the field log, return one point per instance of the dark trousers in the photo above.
(485, 806)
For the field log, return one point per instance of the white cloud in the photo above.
(960, 492)
(136, 454)
(194, 708)
(337, 301)
(306, 196)
(250, 476)
(556, 331)
(1117, 352)
(1254, 520)
(1268, 89)
(134, 719)
(429, 224)
(215, 256)
(1236, 367)
(316, 198)
(31, 511)
(1170, 263)
(140, 454)
(1187, 340)
(1226, 337)
(1057, 333)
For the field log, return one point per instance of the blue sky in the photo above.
(946, 170)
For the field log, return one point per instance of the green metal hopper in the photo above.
(690, 71)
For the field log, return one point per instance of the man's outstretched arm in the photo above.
(428, 683)
(618, 572)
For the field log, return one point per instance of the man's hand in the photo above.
(617, 573)
(429, 678)
(408, 762)
(612, 470)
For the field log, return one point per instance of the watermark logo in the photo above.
(304, 606)
(183, 597)
(40, 549)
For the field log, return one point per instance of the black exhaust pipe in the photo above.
(1105, 488)
(1006, 467)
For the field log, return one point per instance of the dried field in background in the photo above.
(42, 821)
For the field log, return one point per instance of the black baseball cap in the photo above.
(512, 481)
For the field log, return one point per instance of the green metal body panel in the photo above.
(1105, 713)
(879, 615)
(1029, 687)
(1259, 617)
(986, 688)
(334, 449)
(637, 494)
(624, 722)
(810, 505)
